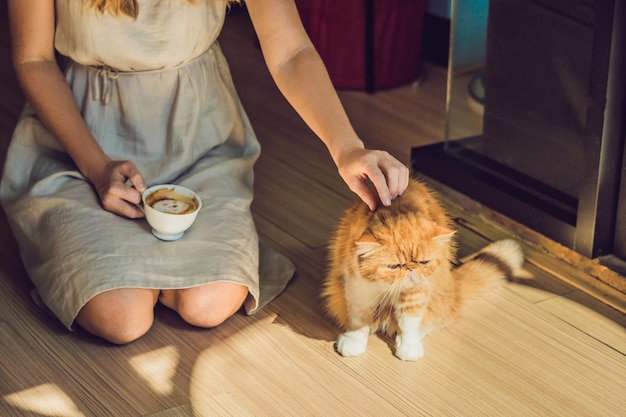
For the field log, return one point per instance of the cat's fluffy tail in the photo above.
(488, 269)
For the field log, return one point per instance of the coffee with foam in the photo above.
(168, 200)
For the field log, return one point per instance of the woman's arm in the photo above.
(32, 36)
(301, 76)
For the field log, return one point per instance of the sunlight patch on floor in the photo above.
(47, 400)
(158, 368)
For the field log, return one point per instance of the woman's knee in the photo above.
(119, 316)
(211, 304)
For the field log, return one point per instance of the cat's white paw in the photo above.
(409, 350)
(352, 343)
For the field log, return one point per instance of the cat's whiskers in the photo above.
(377, 303)
(389, 297)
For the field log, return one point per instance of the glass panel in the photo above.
(468, 36)
(533, 68)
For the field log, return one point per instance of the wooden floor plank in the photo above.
(502, 353)
(290, 380)
(591, 317)
(303, 206)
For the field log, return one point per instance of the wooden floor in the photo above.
(533, 348)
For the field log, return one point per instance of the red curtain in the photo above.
(337, 29)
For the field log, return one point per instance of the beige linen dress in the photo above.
(156, 91)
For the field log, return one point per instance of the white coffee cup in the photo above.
(170, 210)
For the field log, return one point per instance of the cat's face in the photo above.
(403, 254)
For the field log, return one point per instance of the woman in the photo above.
(143, 96)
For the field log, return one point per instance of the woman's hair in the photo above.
(127, 7)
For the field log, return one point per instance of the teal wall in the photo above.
(470, 28)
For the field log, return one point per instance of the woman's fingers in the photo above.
(388, 176)
(120, 189)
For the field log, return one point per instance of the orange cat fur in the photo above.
(391, 270)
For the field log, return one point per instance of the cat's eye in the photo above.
(396, 266)
(424, 262)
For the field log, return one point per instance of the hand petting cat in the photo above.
(359, 167)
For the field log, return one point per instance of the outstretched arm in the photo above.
(301, 76)
(32, 36)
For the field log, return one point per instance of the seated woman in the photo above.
(142, 95)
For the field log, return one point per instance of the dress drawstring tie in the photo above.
(102, 84)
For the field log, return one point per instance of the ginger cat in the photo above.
(392, 270)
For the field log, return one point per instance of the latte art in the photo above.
(169, 201)
(168, 205)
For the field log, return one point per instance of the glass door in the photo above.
(535, 117)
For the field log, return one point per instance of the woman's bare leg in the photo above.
(206, 305)
(119, 316)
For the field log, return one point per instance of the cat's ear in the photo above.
(367, 244)
(443, 235)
